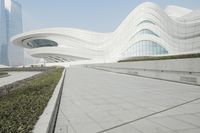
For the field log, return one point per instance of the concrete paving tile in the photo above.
(95, 100)
(147, 126)
(103, 117)
(87, 127)
(197, 114)
(172, 123)
(107, 125)
(62, 125)
(79, 119)
(188, 118)
(64, 129)
(195, 130)
(124, 129)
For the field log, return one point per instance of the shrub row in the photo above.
(2, 74)
(26, 69)
(21, 108)
(162, 57)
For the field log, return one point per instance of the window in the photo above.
(144, 48)
(41, 43)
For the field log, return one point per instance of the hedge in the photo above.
(160, 57)
(2, 74)
(25, 69)
(20, 109)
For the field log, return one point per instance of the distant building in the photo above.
(10, 25)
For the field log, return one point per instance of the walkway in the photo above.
(95, 101)
(16, 76)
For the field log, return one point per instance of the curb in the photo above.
(47, 120)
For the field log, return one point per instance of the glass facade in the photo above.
(41, 43)
(10, 25)
(144, 48)
(3, 35)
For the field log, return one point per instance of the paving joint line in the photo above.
(146, 116)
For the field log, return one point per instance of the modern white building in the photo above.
(147, 30)
(10, 25)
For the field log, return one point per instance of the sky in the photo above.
(95, 15)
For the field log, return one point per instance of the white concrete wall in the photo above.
(180, 70)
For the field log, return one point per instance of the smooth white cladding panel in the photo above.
(148, 30)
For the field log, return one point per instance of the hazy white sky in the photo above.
(95, 15)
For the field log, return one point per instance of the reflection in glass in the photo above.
(144, 48)
(41, 43)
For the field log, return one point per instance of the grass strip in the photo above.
(20, 109)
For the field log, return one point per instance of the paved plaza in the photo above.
(16, 76)
(96, 101)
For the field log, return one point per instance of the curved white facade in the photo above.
(148, 30)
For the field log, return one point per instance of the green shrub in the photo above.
(21, 108)
(160, 57)
(3, 74)
(26, 69)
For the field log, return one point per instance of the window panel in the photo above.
(145, 48)
(41, 43)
